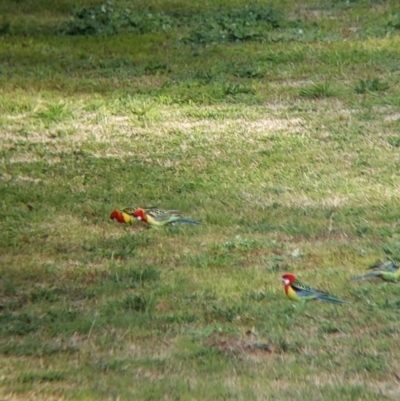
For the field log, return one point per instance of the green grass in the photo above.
(279, 132)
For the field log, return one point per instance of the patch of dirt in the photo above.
(393, 117)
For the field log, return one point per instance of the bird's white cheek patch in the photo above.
(138, 218)
(286, 281)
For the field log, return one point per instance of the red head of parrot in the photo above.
(288, 279)
(140, 214)
(121, 217)
(117, 215)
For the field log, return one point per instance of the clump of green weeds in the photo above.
(249, 23)
(108, 18)
(371, 85)
(242, 24)
(319, 90)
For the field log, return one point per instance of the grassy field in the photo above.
(276, 124)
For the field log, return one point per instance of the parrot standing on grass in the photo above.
(297, 291)
(158, 217)
(388, 271)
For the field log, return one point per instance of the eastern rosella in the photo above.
(121, 217)
(388, 271)
(297, 291)
(159, 217)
